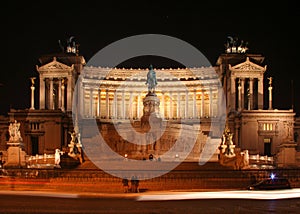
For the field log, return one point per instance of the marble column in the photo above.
(186, 105)
(243, 93)
(170, 107)
(42, 93)
(194, 104)
(32, 97)
(202, 103)
(260, 102)
(163, 104)
(115, 109)
(138, 113)
(91, 103)
(99, 103)
(251, 93)
(69, 93)
(233, 92)
(130, 107)
(270, 97)
(81, 99)
(239, 96)
(63, 95)
(210, 103)
(178, 105)
(59, 94)
(51, 103)
(107, 104)
(123, 107)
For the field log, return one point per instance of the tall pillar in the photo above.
(239, 96)
(69, 93)
(163, 104)
(210, 112)
(251, 93)
(233, 93)
(107, 104)
(91, 103)
(243, 93)
(115, 105)
(130, 107)
(51, 104)
(270, 93)
(194, 104)
(59, 94)
(186, 104)
(220, 101)
(260, 102)
(123, 107)
(202, 103)
(42, 93)
(82, 99)
(171, 107)
(138, 106)
(248, 99)
(63, 95)
(99, 103)
(178, 105)
(32, 93)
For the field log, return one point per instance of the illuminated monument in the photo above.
(176, 101)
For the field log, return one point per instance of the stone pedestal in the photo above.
(151, 118)
(15, 155)
(151, 124)
(286, 156)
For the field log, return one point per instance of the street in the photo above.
(142, 203)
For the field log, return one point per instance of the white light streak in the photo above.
(238, 194)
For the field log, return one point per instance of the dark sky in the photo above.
(33, 28)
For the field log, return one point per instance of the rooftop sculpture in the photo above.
(234, 45)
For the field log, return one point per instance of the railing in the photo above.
(261, 162)
(41, 161)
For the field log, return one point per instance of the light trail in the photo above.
(41, 193)
(238, 194)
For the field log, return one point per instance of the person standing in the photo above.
(125, 185)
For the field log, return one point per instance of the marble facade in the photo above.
(186, 95)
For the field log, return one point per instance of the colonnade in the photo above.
(125, 104)
(246, 93)
(56, 93)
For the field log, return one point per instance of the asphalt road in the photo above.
(46, 202)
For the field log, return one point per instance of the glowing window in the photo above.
(268, 127)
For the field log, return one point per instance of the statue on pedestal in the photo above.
(75, 146)
(227, 144)
(151, 80)
(57, 155)
(14, 132)
(231, 156)
(15, 153)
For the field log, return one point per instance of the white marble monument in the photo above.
(15, 153)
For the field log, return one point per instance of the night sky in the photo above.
(33, 28)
